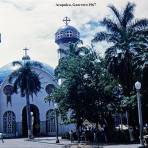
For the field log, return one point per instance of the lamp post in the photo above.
(57, 127)
(138, 87)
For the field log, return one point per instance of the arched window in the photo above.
(58, 35)
(9, 123)
(69, 33)
(50, 122)
(61, 34)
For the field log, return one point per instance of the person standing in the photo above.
(32, 123)
(1, 137)
(71, 136)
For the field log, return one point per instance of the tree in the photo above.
(28, 82)
(128, 38)
(73, 97)
(87, 87)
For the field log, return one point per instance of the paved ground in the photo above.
(36, 143)
(50, 143)
(107, 146)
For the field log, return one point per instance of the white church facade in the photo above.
(13, 120)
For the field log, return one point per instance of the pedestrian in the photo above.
(1, 137)
(131, 134)
(71, 136)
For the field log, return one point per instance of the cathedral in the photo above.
(13, 120)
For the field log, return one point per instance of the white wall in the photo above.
(18, 102)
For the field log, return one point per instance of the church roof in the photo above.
(67, 34)
(67, 27)
(6, 70)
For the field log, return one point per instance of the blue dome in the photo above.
(67, 34)
(6, 70)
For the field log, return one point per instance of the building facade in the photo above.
(13, 120)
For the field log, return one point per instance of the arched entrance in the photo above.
(36, 123)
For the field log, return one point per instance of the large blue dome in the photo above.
(67, 34)
(6, 70)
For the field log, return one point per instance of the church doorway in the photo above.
(36, 123)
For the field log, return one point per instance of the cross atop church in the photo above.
(66, 20)
(25, 51)
(26, 57)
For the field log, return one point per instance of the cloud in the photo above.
(33, 23)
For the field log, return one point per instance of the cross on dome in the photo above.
(26, 57)
(67, 33)
(25, 51)
(66, 20)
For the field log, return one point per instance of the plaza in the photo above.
(49, 142)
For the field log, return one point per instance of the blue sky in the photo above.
(32, 24)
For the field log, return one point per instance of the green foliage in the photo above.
(129, 102)
(87, 87)
(25, 79)
(129, 39)
(127, 56)
(28, 82)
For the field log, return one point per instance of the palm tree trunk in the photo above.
(28, 111)
(28, 115)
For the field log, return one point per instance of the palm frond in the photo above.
(104, 36)
(116, 12)
(140, 24)
(13, 75)
(14, 63)
(141, 33)
(26, 80)
(128, 14)
(110, 25)
(101, 36)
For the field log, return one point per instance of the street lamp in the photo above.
(56, 116)
(138, 87)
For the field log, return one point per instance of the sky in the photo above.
(32, 24)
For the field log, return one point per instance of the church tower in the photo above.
(65, 36)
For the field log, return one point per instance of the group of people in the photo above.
(91, 135)
(102, 134)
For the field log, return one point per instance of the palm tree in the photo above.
(127, 38)
(28, 82)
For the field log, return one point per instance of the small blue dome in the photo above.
(6, 70)
(67, 34)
